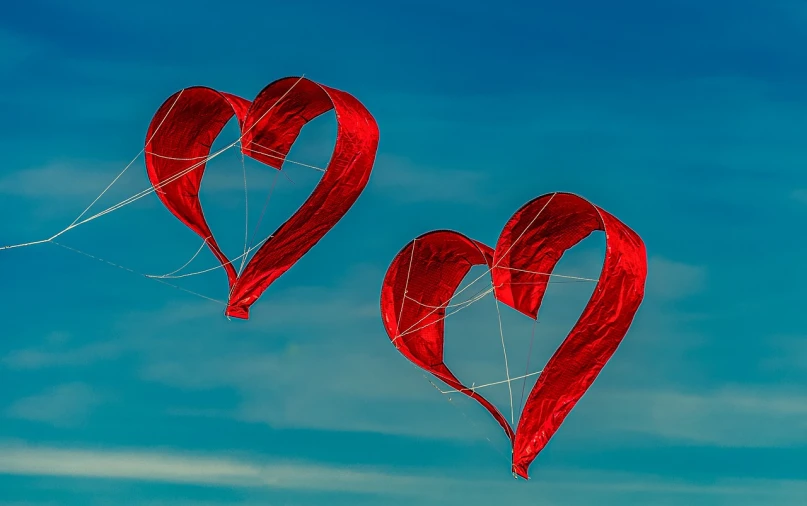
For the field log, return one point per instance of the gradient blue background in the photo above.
(685, 120)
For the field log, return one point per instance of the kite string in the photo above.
(410, 329)
(501, 331)
(135, 272)
(133, 160)
(74, 223)
(506, 364)
(251, 236)
(578, 278)
(204, 243)
(281, 156)
(128, 200)
(24, 244)
(153, 188)
(495, 265)
(273, 106)
(473, 299)
(483, 292)
(406, 285)
(495, 383)
(249, 250)
(149, 190)
(529, 356)
(228, 262)
(107, 188)
(246, 214)
(191, 168)
(157, 188)
(465, 415)
(461, 306)
(477, 296)
(250, 247)
(145, 192)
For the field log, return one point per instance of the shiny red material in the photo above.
(183, 130)
(439, 261)
(529, 247)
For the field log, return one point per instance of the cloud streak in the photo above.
(191, 469)
(668, 279)
(62, 406)
(408, 182)
(61, 180)
(735, 417)
(557, 486)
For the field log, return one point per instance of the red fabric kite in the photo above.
(425, 274)
(183, 130)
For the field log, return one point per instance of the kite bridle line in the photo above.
(204, 243)
(246, 212)
(137, 273)
(527, 369)
(483, 293)
(469, 419)
(178, 175)
(490, 269)
(201, 161)
(163, 183)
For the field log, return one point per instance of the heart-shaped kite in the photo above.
(178, 144)
(430, 268)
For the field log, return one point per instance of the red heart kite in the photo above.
(184, 128)
(430, 269)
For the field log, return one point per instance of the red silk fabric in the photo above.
(529, 247)
(183, 130)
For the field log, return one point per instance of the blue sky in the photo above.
(685, 121)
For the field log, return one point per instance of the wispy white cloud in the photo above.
(15, 49)
(668, 279)
(736, 416)
(410, 182)
(55, 356)
(62, 406)
(61, 180)
(557, 486)
(187, 468)
(77, 179)
(787, 354)
(799, 195)
(316, 386)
